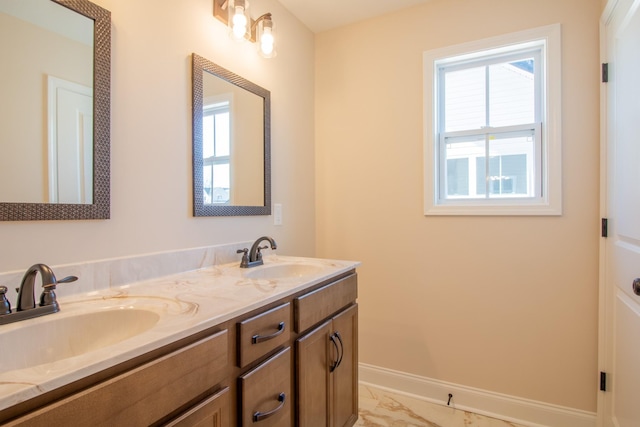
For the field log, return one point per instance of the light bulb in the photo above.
(266, 42)
(239, 23)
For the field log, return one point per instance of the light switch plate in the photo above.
(277, 214)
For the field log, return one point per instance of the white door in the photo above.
(70, 142)
(620, 305)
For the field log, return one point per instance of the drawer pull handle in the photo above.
(256, 339)
(339, 351)
(259, 416)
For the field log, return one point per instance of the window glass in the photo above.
(465, 99)
(222, 141)
(511, 93)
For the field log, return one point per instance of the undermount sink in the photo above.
(283, 271)
(63, 337)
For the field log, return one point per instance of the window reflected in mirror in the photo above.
(216, 159)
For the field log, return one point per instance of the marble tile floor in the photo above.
(380, 408)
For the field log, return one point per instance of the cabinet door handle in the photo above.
(339, 351)
(259, 416)
(256, 339)
(337, 334)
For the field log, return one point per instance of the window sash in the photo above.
(534, 164)
(485, 60)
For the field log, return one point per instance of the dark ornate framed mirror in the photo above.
(231, 143)
(55, 104)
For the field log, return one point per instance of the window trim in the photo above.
(551, 201)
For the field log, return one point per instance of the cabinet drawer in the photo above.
(145, 394)
(316, 306)
(260, 334)
(212, 412)
(266, 393)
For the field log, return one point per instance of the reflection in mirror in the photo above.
(54, 110)
(231, 143)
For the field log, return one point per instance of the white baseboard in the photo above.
(509, 408)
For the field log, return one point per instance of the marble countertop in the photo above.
(186, 303)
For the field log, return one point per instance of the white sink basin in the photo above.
(59, 338)
(282, 271)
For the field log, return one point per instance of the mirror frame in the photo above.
(100, 208)
(201, 65)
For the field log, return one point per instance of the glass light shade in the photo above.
(238, 19)
(266, 38)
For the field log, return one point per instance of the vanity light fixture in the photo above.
(235, 15)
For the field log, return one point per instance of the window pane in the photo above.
(206, 178)
(459, 154)
(457, 177)
(511, 93)
(207, 136)
(220, 190)
(222, 134)
(512, 166)
(465, 99)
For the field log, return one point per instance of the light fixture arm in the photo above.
(254, 24)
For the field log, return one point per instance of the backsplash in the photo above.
(114, 272)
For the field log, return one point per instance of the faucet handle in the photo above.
(244, 263)
(67, 279)
(5, 305)
(48, 296)
(258, 253)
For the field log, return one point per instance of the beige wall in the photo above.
(151, 201)
(503, 304)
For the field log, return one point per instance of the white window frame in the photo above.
(549, 200)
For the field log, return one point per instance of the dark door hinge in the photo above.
(605, 227)
(603, 381)
(605, 72)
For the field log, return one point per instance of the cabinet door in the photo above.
(314, 355)
(265, 393)
(345, 376)
(212, 412)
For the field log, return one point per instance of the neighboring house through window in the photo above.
(492, 126)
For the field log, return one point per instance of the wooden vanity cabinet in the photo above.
(291, 362)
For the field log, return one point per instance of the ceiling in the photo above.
(323, 15)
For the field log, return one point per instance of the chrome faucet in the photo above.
(253, 257)
(26, 302)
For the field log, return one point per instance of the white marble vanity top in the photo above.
(186, 303)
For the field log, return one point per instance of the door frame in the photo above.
(604, 303)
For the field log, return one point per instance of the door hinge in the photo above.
(605, 72)
(605, 227)
(603, 381)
